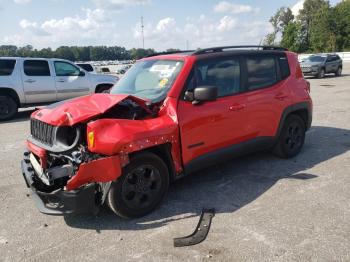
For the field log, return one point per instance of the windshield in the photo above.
(149, 79)
(315, 58)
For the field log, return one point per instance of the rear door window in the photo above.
(261, 72)
(7, 66)
(36, 68)
(221, 73)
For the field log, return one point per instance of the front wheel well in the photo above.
(5, 91)
(101, 87)
(164, 152)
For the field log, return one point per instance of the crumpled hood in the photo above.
(81, 109)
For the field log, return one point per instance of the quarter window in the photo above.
(66, 69)
(261, 72)
(86, 67)
(7, 66)
(223, 74)
(284, 66)
(36, 68)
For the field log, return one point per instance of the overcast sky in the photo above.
(168, 24)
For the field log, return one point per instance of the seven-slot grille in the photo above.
(42, 132)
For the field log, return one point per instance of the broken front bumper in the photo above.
(59, 202)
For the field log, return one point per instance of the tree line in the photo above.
(318, 27)
(77, 53)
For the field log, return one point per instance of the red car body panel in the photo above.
(39, 152)
(124, 136)
(190, 130)
(109, 169)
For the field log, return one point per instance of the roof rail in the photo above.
(171, 52)
(222, 48)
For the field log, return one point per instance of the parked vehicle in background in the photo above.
(123, 69)
(169, 116)
(35, 81)
(87, 67)
(105, 70)
(322, 64)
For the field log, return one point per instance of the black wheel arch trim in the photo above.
(293, 109)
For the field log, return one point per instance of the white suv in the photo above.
(33, 81)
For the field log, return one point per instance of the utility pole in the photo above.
(143, 36)
(187, 45)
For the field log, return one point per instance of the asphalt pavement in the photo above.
(267, 209)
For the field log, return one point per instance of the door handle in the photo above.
(281, 96)
(30, 81)
(237, 107)
(61, 81)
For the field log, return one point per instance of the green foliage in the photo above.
(318, 27)
(138, 53)
(77, 53)
(321, 35)
(291, 36)
(341, 25)
(279, 21)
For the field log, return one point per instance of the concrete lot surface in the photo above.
(268, 209)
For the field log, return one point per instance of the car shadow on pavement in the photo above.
(229, 186)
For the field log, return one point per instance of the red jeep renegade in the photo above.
(170, 115)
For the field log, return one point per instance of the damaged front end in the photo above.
(65, 176)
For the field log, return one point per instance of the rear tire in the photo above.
(292, 137)
(339, 71)
(141, 188)
(8, 108)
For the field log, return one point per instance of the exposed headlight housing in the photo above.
(66, 137)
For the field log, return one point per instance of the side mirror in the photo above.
(81, 73)
(204, 93)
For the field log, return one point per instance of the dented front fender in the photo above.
(122, 136)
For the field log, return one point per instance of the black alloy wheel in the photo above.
(141, 188)
(292, 137)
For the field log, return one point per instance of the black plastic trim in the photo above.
(293, 108)
(222, 48)
(60, 202)
(201, 231)
(224, 154)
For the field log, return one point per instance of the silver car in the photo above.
(320, 65)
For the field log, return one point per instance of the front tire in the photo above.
(321, 73)
(8, 108)
(141, 188)
(292, 137)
